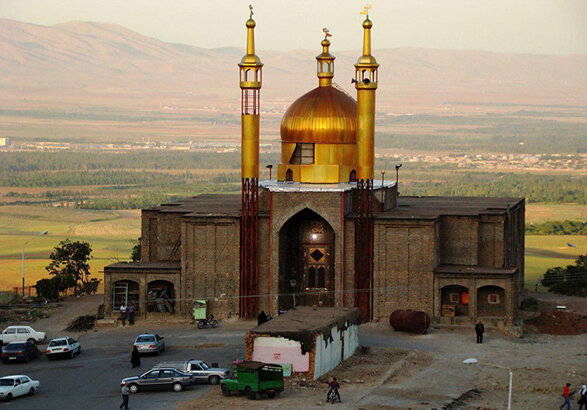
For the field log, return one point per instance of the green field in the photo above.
(111, 234)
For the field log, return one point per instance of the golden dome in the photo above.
(324, 115)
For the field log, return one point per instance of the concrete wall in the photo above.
(281, 350)
(330, 353)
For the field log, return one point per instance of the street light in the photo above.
(25, 244)
(472, 360)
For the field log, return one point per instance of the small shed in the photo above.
(312, 340)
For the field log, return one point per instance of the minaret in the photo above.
(366, 83)
(250, 84)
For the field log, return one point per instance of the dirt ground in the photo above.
(403, 371)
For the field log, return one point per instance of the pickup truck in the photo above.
(254, 379)
(21, 334)
(199, 369)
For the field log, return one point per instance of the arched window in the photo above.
(311, 277)
(321, 278)
(353, 176)
(289, 175)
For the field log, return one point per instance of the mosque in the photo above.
(324, 233)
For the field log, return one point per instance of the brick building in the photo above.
(324, 233)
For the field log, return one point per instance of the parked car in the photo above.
(22, 334)
(19, 385)
(255, 379)
(150, 343)
(157, 379)
(201, 371)
(24, 351)
(64, 347)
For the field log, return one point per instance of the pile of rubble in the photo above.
(558, 323)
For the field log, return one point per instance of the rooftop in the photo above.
(281, 186)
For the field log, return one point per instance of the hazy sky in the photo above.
(526, 26)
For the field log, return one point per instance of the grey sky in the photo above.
(521, 26)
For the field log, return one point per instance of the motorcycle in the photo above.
(332, 397)
(208, 322)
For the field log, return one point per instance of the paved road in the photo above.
(92, 379)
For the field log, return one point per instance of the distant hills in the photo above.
(104, 67)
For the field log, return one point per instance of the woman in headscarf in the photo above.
(582, 397)
(135, 357)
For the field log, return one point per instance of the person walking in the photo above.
(582, 397)
(123, 314)
(125, 395)
(479, 329)
(135, 357)
(131, 313)
(566, 397)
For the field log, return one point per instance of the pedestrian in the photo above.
(479, 329)
(582, 397)
(123, 314)
(131, 314)
(125, 394)
(566, 397)
(135, 357)
(262, 318)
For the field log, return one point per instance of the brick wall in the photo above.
(458, 240)
(210, 263)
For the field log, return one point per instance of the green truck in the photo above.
(255, 379)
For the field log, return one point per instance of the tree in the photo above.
(136, 251)
(570, 281)
(70, 263)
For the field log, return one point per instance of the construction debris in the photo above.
(82, 323)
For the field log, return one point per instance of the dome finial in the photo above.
(250, 59)
(325, 61)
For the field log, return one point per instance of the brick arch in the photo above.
(161, 295)
(296, 210)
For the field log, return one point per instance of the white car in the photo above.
(19, 385)
(22, 334)
(63, 346)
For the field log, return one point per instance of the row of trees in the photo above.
(558, 228)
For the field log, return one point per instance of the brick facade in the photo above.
(421, 245)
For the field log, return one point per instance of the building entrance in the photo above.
(306, 261)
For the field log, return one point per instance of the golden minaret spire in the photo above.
(366, 84)
(250, 83)
(325, 62)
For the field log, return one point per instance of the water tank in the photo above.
(411, 321)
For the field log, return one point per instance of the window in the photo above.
(303, 154)
(152, 375)
(321, 277)
(16, 382)
(311, 276)
(455, 297)
(196, 366)
(167, 373)
(23, 330)
(10, 331)
(24, 380)
(54, 343)
(493, 298)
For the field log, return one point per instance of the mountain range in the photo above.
(87, 66)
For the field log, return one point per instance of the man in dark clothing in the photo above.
(135, 357)
(131, 314)
(479, 329)
(125, 394)
(262, 318)
(334, 386)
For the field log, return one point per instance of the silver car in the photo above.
(150, 343)
(199, 369)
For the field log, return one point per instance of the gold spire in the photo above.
(250, 59)
(325, 62)
(367, 60)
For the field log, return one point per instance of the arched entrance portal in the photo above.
(160, 297)
(306, 261)
(456, 299)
